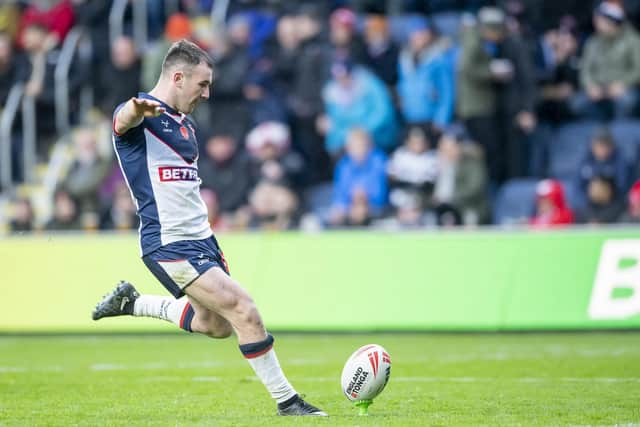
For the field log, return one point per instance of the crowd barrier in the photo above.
(351, 281)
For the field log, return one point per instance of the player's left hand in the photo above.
(147, 107)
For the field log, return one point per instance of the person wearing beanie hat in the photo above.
(276, 170)
(610, 67)
(425, 76)
(343, 35)
(496, 92)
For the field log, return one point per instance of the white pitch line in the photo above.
(407, 379)
(206, 379)
(11, 369)
(108, 367)
(612, 425)
(410, 379)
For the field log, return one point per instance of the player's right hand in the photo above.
(147, 107)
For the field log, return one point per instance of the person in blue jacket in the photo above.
(426, 87)
(355, 97)
(360, 182)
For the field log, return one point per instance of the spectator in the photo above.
(632, 214)
(93, 17)
(274, 161)
(120, 213)
(23, 217)
(88, 170)
(425, 85)
(14, 67)
(460, 193)
(310, 73)
(281, 53)
(360, 185)
(217, 221)
(342, 34)
(65, 213)
(227, 105)
(603, 204)
(552, 209)
(9, 18)
(409, 213)
(272, 206)
(603, 159)
(610, 69)
(178, 27)
(125, 68)
(226, 169)
(43, 57)
(252, 27)
(355, 97)
(380, 53)
(412, 171)
(239, 31)
(559, 79)
(496, 93)
(56, 17)
(273, 201)
(263, 101)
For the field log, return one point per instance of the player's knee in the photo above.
(219, 330)
(223, 330)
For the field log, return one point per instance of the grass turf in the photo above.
(439, 380)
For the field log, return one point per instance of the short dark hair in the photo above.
(187, 53)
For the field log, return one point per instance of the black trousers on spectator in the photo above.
(310, 144)
(505, 146)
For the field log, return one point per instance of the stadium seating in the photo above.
(567, 148)
(515, 201)
(627, 136)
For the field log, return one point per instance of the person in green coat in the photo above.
(610, 68)
(496, 93)
(460, 195)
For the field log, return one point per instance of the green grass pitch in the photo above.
(589, 379)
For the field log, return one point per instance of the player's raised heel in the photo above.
(117, 303)
(296, 406)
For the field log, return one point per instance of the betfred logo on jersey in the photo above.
(177, 173)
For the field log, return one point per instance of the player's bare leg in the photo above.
(209, 322)
(218, 292)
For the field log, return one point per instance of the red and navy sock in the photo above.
(256, 349)
(187, 317)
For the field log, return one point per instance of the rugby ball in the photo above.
(366, 373)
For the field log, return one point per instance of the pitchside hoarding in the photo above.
(488, 280)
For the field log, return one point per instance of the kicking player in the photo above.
(157, 150)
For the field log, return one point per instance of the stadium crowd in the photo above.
(327, 114)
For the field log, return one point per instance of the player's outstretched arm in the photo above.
(134, 111)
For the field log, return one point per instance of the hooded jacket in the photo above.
(561, 215)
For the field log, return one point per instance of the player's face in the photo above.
(196, 88)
